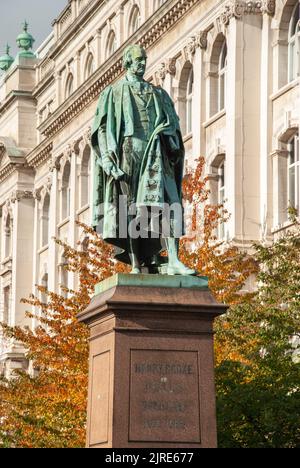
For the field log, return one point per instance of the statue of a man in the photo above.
(139, 152)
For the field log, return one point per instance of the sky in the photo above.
(38, 13)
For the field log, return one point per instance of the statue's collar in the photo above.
(138, 85)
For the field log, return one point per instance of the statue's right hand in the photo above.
(108, 167)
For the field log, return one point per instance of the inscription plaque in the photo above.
(164, 397)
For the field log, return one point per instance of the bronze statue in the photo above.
(139, 152)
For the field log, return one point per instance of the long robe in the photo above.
(161, 168)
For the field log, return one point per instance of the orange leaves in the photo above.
(226, 267)
(47, 408)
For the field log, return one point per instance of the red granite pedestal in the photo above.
(151, 381)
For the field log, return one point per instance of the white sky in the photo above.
(38, 13)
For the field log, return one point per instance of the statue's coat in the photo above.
(159, 181)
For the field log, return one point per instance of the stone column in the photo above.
(53, 219)
(73, 208)
(22, 254)
(243, 128)
(198, 99)
(98, 48)
(151, 376)
(265, 129)
(120, 26)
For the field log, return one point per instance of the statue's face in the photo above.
(139, 61)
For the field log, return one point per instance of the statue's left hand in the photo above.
(175, 156)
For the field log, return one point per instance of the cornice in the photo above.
(112, 70)
(40, 154)
(13, 96)
(6, 171)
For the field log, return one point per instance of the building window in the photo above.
(69, 86)
(85, 177)
(217, 76)
(294, 44)
(63, 276)
(65, 192)
(294, 173)
(111, 44)
(189, 102)
(89, 68)
(8, 237)
(185, 98)
(6, 305)
(222, 78)
(45, 221)
(221, 194)
(44, 284)
(135, 20)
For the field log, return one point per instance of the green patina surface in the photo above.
(139, 158)
(157, 281)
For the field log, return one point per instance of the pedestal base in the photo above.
(151, 380)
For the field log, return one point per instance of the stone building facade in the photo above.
(232, 68)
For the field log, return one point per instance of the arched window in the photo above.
(221, 194)
(222, 77)
(185, 98)
(6, 304)
(135, 20)
(294, 173)
(111, 44)
(294, 44)
(45, 221)
(63, 276)
(69, 86)
(217, 76)
(8, 237)
(44, 284)
(65, 192)
(189, 102)
(90, 66)
(85, 244)
(85, 177)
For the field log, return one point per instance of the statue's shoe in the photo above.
(135, 271)
(180, 269)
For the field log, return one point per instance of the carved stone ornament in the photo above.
(237, 8)
(168, 66)
(268, 6)
(53, 164)
(37, 194)
(201, 39)
(18, 195)
(233, 9)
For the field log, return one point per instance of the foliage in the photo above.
(257, 370)
(258, 382)
(47, 407)
(226, 267)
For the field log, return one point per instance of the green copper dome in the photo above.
(25, 42)
(6, 60)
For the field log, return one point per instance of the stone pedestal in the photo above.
(151, 380)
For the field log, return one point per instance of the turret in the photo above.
(25, 42)
(6, 60)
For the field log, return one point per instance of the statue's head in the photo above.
(135, 60)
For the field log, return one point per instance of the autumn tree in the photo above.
(258, 382)
(47, 406)
(226, 267)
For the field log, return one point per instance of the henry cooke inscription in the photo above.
(164, 397)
